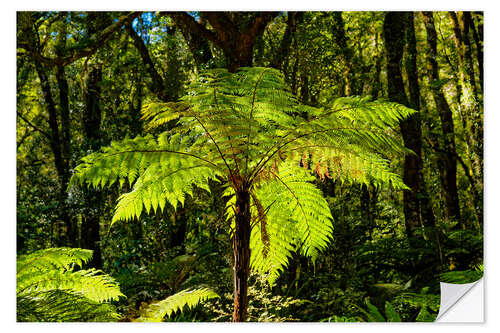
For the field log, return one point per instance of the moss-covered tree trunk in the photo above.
(62, 84)
(394, 35)
(241, 250)
(471, 103)
(426, 213)
(468, 92)
(62, 165)
(90, 231)
(58, 135)
(448, 158)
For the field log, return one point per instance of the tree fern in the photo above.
(184, 299)
(247, 131)
(49, 289)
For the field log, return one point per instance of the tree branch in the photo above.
(284, 49)
(77, 53)
(158, 85)
(186, 21)
(34, 127)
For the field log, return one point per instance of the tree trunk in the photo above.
(62, 167)
(426, 214)
(467, 25)
(376, 86)
(347, 54)
(477, 34)
(279, 60)
(395, 25)
(448, 165)
(367, 208)
(157, 85)
(177, 232)
(234, 33)
(241, 250)
(199, 47)
(468, 95)
(90, 233)
(62, 84)
(476, 100)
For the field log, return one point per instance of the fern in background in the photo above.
(374, 315)
(50, 289)
(424, 302)
(246, 131)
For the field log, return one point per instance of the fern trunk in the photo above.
(241, 249)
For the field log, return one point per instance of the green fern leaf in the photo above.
(49, 289)
(391, 314)
(184, 299)
(373, 313)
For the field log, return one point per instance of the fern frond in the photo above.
(391, 314)
(362, 111)
(128, 159)
(90, 283)
(184, 299)
(348, 165)
(297, 218)
(52, 258)
(46, 280)
(170, 181)
(373, 313)
(62, 306)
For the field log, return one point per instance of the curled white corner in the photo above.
(461, 303)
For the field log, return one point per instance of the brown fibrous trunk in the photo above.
(241, 250)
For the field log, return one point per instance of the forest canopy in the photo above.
(247, 166)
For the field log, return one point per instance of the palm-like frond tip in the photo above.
(184, 299)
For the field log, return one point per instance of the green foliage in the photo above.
(331, 303)
(461, 277)
(158, 278)
(247, 130)
(182, 242)
(49, 289)
(465, 249)
(293, 215)
(341, 319)
(264, 305)
(423, 302)
(374, 315)
(391, 314)
(179, 301)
